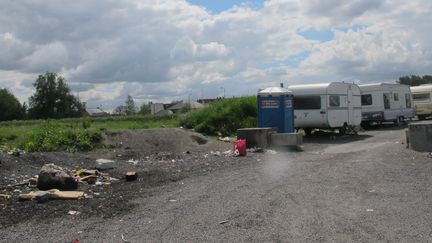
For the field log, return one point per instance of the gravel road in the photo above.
(339, 189)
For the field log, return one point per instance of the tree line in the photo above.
(52, 99)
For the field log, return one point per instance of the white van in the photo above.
(383, 102)
(332, 106)
(422, 100)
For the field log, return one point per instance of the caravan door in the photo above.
(354, 106)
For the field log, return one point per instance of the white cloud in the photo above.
(168, 49)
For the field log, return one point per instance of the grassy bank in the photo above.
(74, 134)
(224, 117)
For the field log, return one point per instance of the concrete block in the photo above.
(420, 136)
(286, 139)
(256, 137)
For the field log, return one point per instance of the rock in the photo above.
(131, 176)
(52, 176)
(104, 164)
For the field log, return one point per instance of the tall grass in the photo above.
(224, 117)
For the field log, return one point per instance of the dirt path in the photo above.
(370, 189)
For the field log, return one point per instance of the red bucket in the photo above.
(239, 148)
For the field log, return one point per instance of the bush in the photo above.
(224, 117)
(52, 137)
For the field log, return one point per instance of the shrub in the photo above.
(224, 117)
(52, 137)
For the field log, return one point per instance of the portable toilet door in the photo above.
(275, 109)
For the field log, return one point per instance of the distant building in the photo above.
(120, 110)
(156, 108)
(183, 105)
(95, 112)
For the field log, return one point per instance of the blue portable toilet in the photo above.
(275, 109)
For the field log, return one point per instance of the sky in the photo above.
(166, 50)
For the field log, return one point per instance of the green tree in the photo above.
(53, 99)
(144, 109)
(130, 106)
(415, 80)
(10, 107)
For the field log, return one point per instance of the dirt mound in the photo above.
(173, 140)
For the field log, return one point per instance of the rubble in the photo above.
(52, 176)
(5, 196)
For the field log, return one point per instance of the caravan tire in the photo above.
(308, 131)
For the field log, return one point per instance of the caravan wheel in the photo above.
(308, 131)
(344, 129)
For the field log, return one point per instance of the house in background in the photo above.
(155, 108)
(177, 108)
(120, 110)
(95, 112)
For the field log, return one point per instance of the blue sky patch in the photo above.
(220, 6)
(318, 35)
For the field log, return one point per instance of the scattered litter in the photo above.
(5, 196)
(224, 222)
(74, 213)
(224, 139)
(256, 150)
(15, 152)
(429, 155)
(215, 153)
(132, 161)
(369, 210)
(131, 175)
(123, 238)
(239, 148)
(270, 151)
(173, 200)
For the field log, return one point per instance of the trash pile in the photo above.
(56, 183)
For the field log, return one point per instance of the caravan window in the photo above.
(307, 102)
(334, 100)
(386, 101)
(421, 97)
(396, 96)
(366, 99)
(408, 100)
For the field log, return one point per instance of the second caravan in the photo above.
(383, 102)
(332, 106)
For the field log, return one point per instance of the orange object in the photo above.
(239, 148)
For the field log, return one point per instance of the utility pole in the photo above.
(223, 91)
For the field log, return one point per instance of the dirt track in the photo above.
(338, 189)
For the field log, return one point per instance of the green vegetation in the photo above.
(53, 99)
(224, 117)
(10, 108)
(72, 134)
(415, 80)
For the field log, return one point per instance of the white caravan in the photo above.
(332, 106)
(383, 102)
(422, 97)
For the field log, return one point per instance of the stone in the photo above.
(52, 176)
(104, 164)
(131, 176)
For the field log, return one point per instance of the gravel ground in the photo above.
(338, 189)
